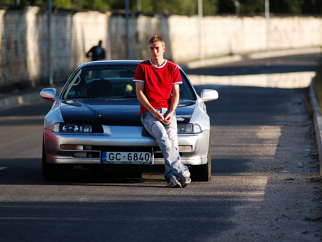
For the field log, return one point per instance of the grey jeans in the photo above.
(167, 139)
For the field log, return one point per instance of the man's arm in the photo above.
(145, 102)
(173, 104)
(90, 52)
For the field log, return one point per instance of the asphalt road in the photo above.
(257, 135)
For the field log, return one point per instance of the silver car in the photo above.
(95, 122)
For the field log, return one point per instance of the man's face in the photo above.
(156, 50)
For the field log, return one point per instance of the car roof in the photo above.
(112, 62)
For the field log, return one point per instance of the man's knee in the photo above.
(157, 130)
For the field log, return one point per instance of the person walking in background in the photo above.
(155, 80)
(96, 52)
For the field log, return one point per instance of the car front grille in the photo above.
(155, 149)
(94, 151)
(126, 149)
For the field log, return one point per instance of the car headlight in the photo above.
(189, 129)
(72, 128)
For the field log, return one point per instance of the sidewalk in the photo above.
(16, 98)
(259, 55)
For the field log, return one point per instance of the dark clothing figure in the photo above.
(96, 52)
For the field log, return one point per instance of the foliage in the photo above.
(185, 7)
(96, 4)
(246, 6)
(296, 6)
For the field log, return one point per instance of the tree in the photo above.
(185, 7)
(296, 6)
(286, 6)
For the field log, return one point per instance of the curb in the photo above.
(317, 123)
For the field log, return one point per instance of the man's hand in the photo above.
(167, 120)
(158, 116)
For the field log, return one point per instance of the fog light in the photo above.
(80, 154)
(185, 148)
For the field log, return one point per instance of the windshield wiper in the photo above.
(129, 96)
(186, 102)
(85, 97)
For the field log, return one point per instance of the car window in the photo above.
(111, 81)
(186, 90)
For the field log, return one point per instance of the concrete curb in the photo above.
(317, 123)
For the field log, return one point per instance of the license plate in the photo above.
(143, 158)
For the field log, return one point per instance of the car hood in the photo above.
(121, 112)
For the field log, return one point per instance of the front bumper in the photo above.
(117, 138)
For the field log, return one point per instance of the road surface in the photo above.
(260, 138)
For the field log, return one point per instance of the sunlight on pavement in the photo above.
(276, 80)
(269, 132)
(249, 188)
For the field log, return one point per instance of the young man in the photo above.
(155, 80)
(96, 52)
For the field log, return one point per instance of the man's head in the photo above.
(157, 48)
(155, 39)
(100, 43)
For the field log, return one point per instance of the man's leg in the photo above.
(168, 146)
(184, 174)
(157, 130)
(172, 133)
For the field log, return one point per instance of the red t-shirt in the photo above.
(158, 82)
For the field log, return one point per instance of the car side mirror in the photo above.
(209, 95)
(49, 93)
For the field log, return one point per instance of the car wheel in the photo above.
(51, 172)
(202, 172)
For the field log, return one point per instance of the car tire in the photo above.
(51, 172)
(202, 172)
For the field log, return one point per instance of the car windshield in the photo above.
(111, 82)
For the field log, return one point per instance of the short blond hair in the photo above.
(156, 39)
